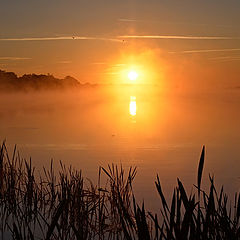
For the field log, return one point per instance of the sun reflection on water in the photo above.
(133, 106)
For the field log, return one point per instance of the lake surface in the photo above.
(158, 132)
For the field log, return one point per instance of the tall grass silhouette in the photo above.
(64, 206)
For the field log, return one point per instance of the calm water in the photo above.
(160, 133)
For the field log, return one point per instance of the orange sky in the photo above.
(171, 43)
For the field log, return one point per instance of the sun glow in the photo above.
(137, 69)
(132, 75)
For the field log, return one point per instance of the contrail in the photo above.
(208, 50)
(14, 58)
(177, 37)
(120, 38)
(61, 38)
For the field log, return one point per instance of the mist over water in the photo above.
(160, 133)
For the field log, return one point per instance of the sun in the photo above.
(132, 75)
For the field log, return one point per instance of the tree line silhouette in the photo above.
(11, 82)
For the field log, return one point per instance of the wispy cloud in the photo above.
(226, 59)
(113, 69)
(231, 60)
(111, 73)
(14, 58)
(98, 63)
(208, 50)
(61, 38)
(128, 20)
(172, 22)
(65, 62)
(177, 37)
(118, 64)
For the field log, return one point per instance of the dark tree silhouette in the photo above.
(10, 81)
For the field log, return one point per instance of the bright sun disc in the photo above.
(132, 75)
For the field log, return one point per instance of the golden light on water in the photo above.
(133, 106)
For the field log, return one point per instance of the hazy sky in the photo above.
(37, 36)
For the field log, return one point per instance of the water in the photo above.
(160, 132)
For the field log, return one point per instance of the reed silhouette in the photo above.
(64, 206)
